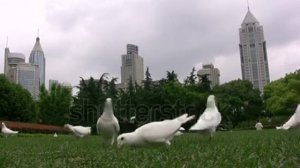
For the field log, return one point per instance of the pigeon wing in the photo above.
(297, 114)
(80, 131)
(209, 119)
(8, 131)
(98, 125)
(116, 125)
(290, 123)
(158, 131)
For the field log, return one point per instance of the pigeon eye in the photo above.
(122, 138)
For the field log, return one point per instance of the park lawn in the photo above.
(267, 148)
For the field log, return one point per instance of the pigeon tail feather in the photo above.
(184, 118)
(197, 127)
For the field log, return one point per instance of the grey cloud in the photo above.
(171, 34)
(91, 36)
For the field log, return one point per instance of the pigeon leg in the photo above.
(211, 136)
(212, 133)
(112, 139)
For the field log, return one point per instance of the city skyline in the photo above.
(28, 75)
(89, 42)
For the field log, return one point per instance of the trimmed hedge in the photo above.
(33, 128)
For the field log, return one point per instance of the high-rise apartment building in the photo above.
(27, 75)
(132, 66)
(213, 74)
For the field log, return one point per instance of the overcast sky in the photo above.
(87, 37)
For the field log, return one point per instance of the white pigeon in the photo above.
(259, 126)
(107, 124)
(154, 132)
(55, 135)
(293, 121)
(180, 131)
(6, 131)
(78, 131)
(209, 119)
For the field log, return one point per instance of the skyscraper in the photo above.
(253, 52)
(132, 66)
(37, 58)
(213, 74)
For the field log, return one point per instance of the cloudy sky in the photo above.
(87, 37)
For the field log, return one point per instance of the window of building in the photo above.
(250, 29)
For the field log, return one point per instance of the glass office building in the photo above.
(37, 58)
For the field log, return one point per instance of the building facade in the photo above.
(212, 73)
(132, 66)
(6, 54)
(27, 75)
(253, 52)
(19, 72)
(37, 58)
(11, 61)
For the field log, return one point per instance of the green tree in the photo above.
(148, 80)
(172, 76)
(54, 104)
(111, 90)
(191, 79)
(16, 103)
(204, 83)
(89, 101)
(238, 101)
(282, 96)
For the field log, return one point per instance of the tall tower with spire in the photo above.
(253, 52)
(37, 58)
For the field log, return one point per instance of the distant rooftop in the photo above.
(249, 18)
(16, 55)
(132, 49)
(37, 45)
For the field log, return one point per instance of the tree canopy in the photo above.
(282, 96)
(16, 103)
(167, 98)
(238, 101)
(54, 104)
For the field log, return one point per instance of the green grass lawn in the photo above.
(267, 148)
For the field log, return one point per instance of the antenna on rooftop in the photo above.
(6, 41)
(248, 5)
